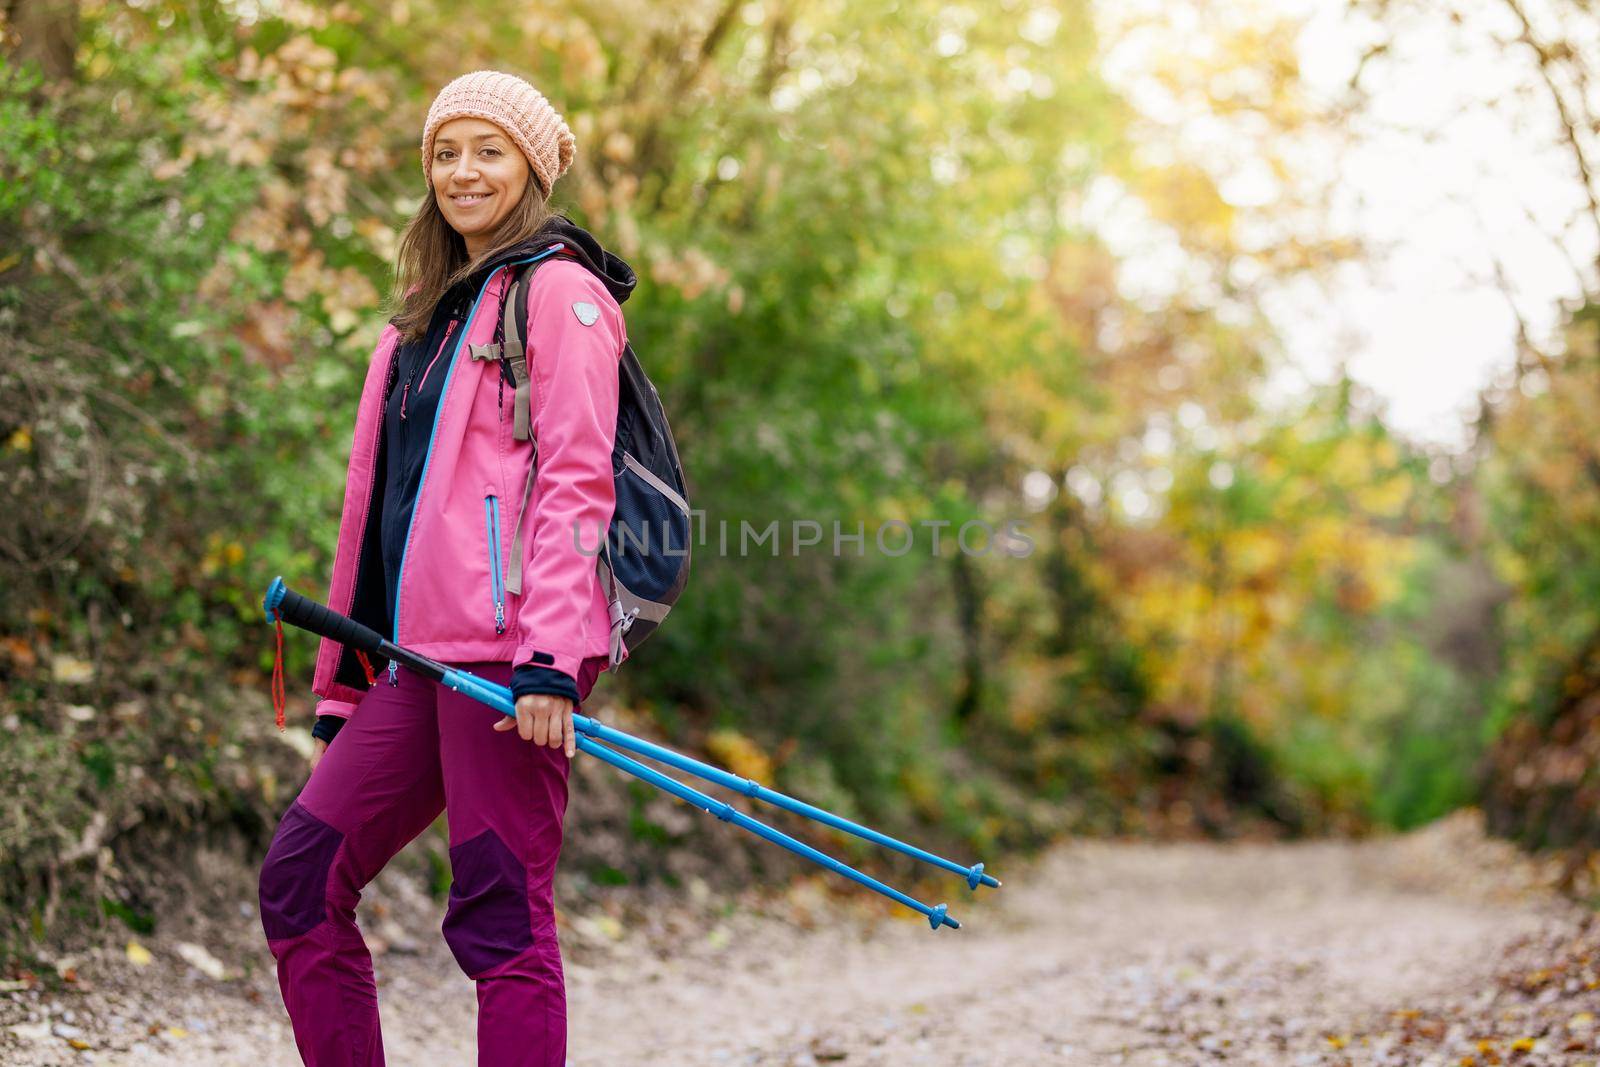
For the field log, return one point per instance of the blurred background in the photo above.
(1273, 324)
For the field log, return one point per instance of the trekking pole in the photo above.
(488, 694)
(937, 915)
(282, 605)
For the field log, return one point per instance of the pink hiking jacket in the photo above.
(472, 486)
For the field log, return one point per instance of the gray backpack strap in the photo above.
(516, 357)
(516, 354)
(513, 574)
(522, 430)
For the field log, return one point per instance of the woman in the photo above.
(463, 548)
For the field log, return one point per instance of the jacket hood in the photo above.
(615, 274)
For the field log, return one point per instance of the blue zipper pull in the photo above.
(394, 672)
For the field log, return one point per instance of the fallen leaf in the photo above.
(31, 1031)
(70, 669)
(138, 955)
(197, 957)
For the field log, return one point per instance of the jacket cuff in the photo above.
(528, 656)
(340, 709)
(327, 727)
(529, 679)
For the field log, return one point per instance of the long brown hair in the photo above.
(433, 256)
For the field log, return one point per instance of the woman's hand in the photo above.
(318, 747)
(544, 720)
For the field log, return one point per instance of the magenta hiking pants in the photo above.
(408, 752)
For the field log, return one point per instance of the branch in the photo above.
(1569, 123)
(650, 143)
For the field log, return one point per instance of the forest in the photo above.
(987, 268)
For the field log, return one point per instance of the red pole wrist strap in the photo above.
(372, 679)
(278, 695)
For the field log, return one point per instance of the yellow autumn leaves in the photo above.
(1313, 532)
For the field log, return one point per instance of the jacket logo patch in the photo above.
(585, 311)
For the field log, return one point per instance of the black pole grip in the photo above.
(320, 619)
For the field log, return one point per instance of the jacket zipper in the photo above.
(405, 390)
(497, 591)
(449, 331)
(427, 460)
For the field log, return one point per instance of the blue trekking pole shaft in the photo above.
(281, 603)
(937, 915)
(487, 691)
(499, 697)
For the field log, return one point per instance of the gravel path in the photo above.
(1400, 951)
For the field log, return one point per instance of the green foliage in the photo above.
(1542, 485)
(137, 921)
(131, 479)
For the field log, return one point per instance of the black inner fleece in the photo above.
(421, 367)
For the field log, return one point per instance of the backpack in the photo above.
(644, 562)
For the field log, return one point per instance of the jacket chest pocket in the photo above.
(491, 531)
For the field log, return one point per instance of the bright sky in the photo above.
(1451, 169)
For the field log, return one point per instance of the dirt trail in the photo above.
(1381, 952)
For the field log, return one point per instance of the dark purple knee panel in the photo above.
(294, 877)
(487, 921)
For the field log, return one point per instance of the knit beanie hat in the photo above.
(513, 105)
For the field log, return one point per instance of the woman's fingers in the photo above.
(544, 720)
(562, 735)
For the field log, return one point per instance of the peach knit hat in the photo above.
(513, 105)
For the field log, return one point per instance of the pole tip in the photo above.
(976, 877)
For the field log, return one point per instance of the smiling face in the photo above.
(479, 175)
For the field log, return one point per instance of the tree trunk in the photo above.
(46, 33)
(969, 607)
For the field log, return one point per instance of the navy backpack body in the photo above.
(644, 563)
